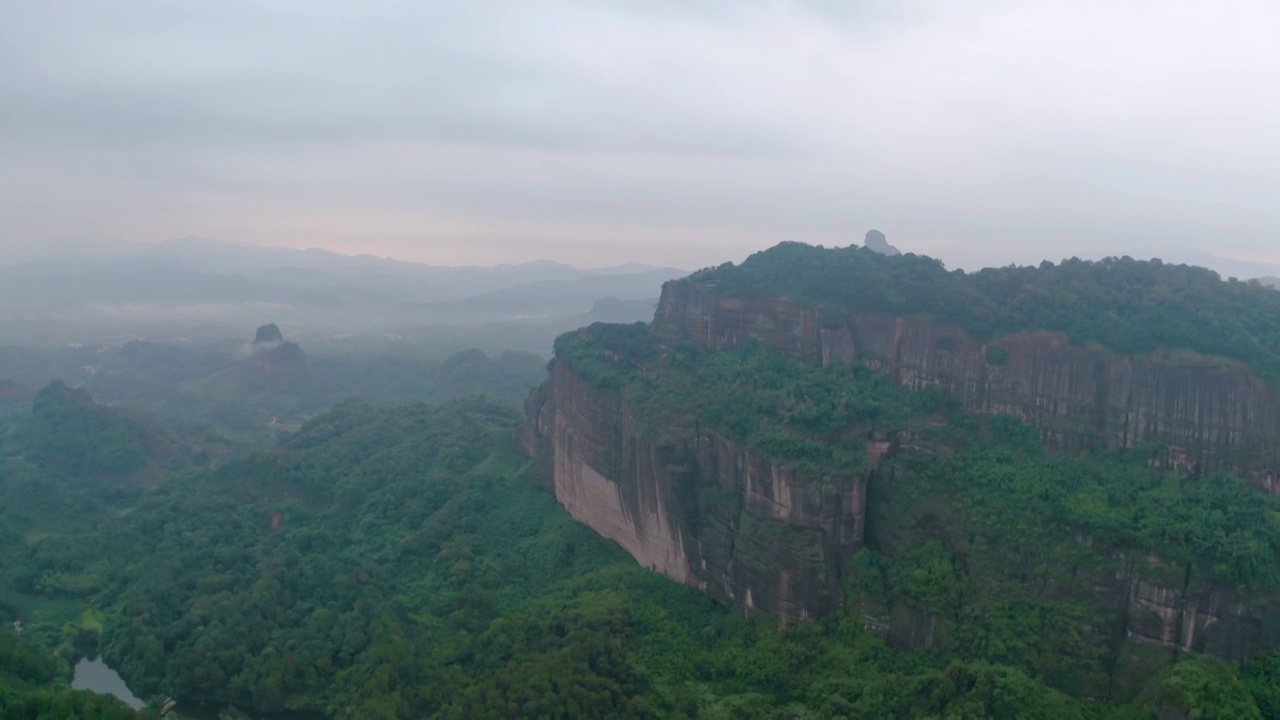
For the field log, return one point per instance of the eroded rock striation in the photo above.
(1211, 414)
(699, 508)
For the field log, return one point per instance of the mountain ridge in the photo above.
(170, 288)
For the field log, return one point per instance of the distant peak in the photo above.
(268, 334)
(876, 241)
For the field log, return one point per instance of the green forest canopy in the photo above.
(815, 419)
(1126, 305)
(33, 687)
(403, 562)
(416, 570)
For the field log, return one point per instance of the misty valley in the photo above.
(820, 483)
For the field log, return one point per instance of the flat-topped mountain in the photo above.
(803, 431)
(1118, 352)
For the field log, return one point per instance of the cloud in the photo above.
(982, 132)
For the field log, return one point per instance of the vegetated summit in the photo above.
(1114, 353)
(944, 455)
(1123, 304)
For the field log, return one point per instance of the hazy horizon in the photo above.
(682, 134)
(113, 249)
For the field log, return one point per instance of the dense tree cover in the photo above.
(1206, 689)
(1128, 305)
(976, 531)
(67, 461)
(1220, 524)
(25, 662)
(33, 687)
(353, 571)
(817, 419)
(239, 395)
(605, 354)
(1021, 558)
(70, 432)
(402, 563)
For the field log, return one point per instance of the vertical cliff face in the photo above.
(698, 507)
(690, 502)
(1130, 613)
(1210, 414)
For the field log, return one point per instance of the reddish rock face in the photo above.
(697, 507)
(1210, 414)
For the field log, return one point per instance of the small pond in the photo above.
(96, 676)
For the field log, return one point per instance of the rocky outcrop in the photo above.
(1216, 620)
(876, 241)
(696, 506)
(1209, 414)
(268, 334)
(272, 354)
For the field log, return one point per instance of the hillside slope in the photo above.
(402, 562)
(70, 462)
(240, 389)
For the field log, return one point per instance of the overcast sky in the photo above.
(682, 132)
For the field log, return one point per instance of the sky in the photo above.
(682, 132)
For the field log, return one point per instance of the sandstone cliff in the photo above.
(696, 506)
(1131, 613)
(1210, 414)
(700, 508)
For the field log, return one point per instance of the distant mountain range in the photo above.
(194, 280)
(552, 298)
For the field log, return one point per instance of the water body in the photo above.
(96, 676)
